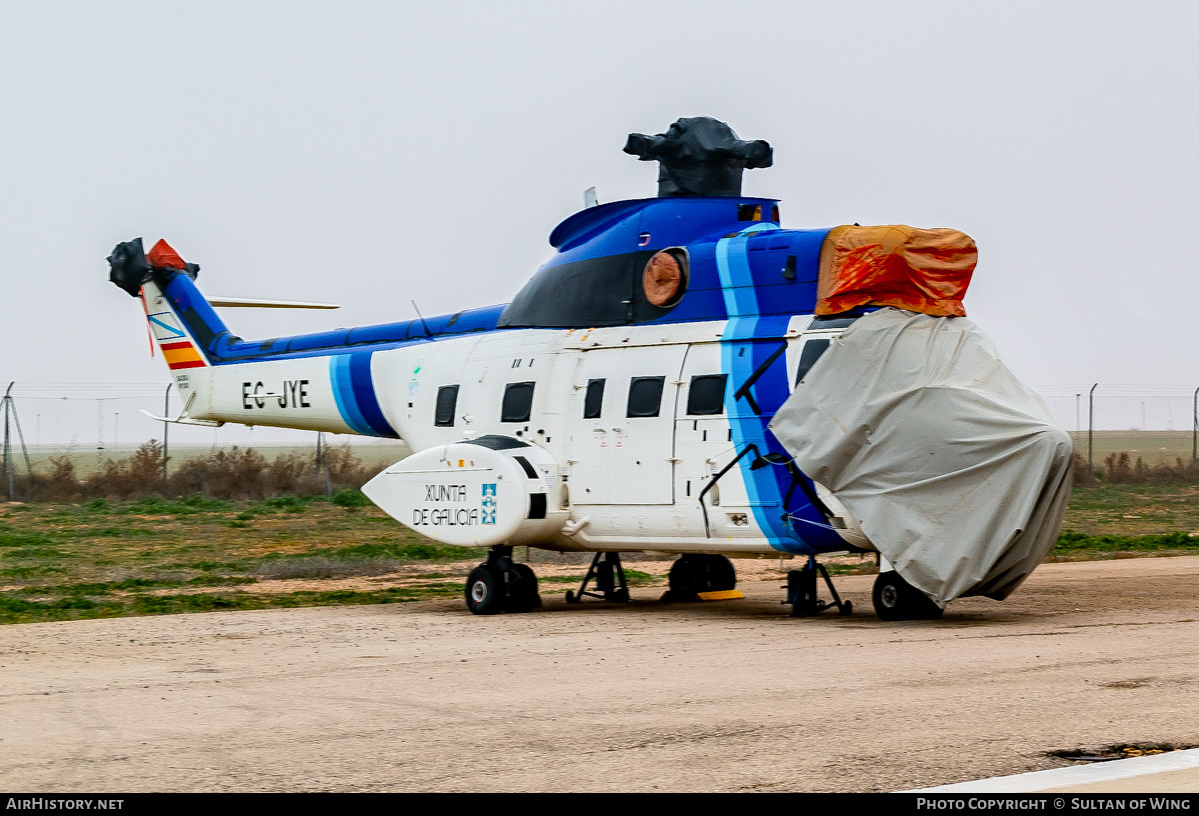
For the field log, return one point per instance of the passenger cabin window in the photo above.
(645, 396)
(706, 396)
(811, 353)
(518, 402)
(447, 402)
(593, 403)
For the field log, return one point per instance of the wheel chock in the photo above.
(720, 595)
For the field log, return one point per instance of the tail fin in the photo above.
(181, 321)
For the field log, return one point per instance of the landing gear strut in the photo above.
(608, 574)
(802, 592)
(501, 585)
(693, 574)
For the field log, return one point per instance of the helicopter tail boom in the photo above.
(225, 379)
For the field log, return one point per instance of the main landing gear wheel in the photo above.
(693, 574)
(721, 574)
(522, 593)
(484, 590)
(895, 600)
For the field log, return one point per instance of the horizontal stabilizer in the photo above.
(184, 419)
(252, 303)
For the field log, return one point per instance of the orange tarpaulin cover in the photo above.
(161, 254)
(921, 270)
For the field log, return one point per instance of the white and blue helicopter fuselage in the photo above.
(609, 408)
(615, 479)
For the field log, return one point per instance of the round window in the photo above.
(665, 277)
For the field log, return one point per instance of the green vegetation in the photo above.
(149, 556)
(349, 497)
(1071, 541)
(107, 558)
(1133, 509)
(155, 555)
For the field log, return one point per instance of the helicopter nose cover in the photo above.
(955, 469)
(921, 270)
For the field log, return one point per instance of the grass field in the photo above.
(101, 559)
(154, 556)
(1155, 447)
(1134, 510)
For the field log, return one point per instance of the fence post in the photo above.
(166, 425)
(322, 461)
(1195, 427)
(1091, 429)
(323, 447)
(10, 407)
(7, 450)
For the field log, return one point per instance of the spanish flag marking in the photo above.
(181, 355)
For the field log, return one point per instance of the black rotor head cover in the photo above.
(699, 156)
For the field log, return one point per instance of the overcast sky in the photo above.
(371, 153)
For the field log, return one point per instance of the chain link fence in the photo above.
(102, 421)
(95, 424)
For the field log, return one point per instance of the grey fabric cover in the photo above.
(955, 469)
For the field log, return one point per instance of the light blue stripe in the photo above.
(737, 359)
(736, 278)
(171, 329)
(343, 394)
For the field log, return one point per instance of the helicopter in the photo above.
(661, 384)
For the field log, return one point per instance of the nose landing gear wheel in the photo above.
(895, 600)
(501, 585)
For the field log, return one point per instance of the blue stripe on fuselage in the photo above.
(343, 393)
(737, 359)
(742, 351)
(364, 394)
(354, 392)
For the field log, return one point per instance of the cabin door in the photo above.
(622, 425)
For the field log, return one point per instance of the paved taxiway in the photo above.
(1171, 772)
(727, 696)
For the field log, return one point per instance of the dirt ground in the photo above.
(720, 696)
